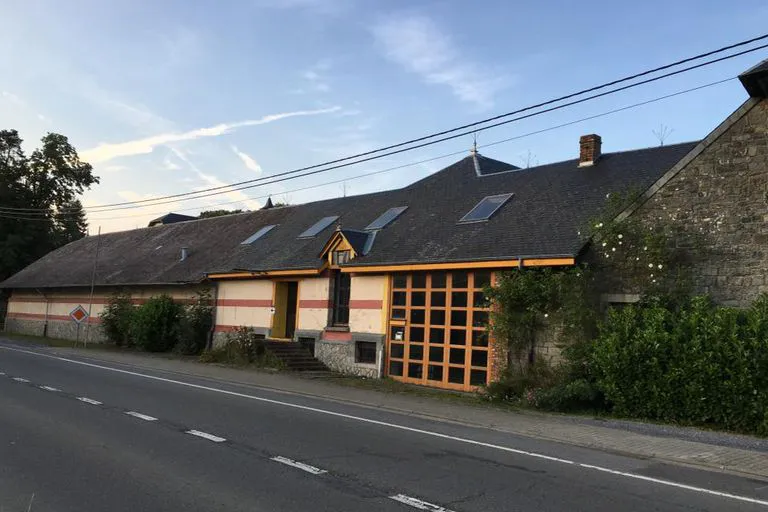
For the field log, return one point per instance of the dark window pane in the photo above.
(438, 280)
(480, 358)
(397, 350)
(456, 375)
(459, 280)
(436, 354)
(438, 299)
(419, 280)
(397, 333)
(459, 299)
(479, 300)
(417, 316)
(415, 352)
(457, 356)
(482, 279)
(365, 352)
(459, 318)
(418, 299)
(385, 218)
(396, 368)
(341, 288)
(398, 299)
(398, 314)
(416, 334)
(435, 373)
(437, 335)
(414, 370)
(458, 337)
(437, 317)
(480, 338)
(399, 281)
(478, 377)
(479, 318)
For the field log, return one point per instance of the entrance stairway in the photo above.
(296, 357)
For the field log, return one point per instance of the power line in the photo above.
(239, 185)
(431, 159)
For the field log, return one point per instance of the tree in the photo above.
(218, 213)
(39, 210)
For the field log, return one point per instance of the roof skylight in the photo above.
(318, 226)
(485, 209)
(385, 218)
(260, 233)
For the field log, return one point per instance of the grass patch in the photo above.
(387, 385)
(59, 343)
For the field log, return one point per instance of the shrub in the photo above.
(517, 381)
(575, 395)
(692, 363)
(155, 326)
(243, 346)
(116, 319)
(195, 325)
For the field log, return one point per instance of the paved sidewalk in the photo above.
(565, 429)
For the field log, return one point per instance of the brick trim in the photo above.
(366, 304)
(52, 318)
(314, 303)
(245, 303)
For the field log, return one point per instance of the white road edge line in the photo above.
(205, 435)
(88, 400)
(20, 379)
(669, 483)
(2, 374)
(299, 465)
(49, 388)
(140, 416)
(417, 503)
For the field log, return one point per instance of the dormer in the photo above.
(346, 245)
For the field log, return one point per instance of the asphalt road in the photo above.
(83, 436)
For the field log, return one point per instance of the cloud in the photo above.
(12, 98)
(420, 46)
(247, 160)
(106, 152)
(213, 181)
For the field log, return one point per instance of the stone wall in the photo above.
(66, 330)
(339, 356)
(716, 208)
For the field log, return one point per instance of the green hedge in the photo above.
(693, 363)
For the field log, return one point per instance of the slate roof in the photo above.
(755, 80)
(550, 204)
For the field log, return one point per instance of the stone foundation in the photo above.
(340, 355)
(55, 329)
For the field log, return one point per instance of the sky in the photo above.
(176, 96)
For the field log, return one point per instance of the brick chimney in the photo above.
(589, 149)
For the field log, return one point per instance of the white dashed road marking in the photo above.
(417, 503)
(88, 400)
(205, 435)
(20, 379)
(140, 416)
(403, 428)
(49, 388)
(2, 374)
(299, 465)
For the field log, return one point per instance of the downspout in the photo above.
(215, 299)
(47, 306)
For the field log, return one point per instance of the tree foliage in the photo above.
(207, 214)
(45, 184)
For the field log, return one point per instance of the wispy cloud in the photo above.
(12, 98)
(247, 160)
(106, 152)
(213, 181)
(420, 46)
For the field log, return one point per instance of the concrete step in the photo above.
(296, 357)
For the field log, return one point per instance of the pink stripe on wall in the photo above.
(314, 303)
(246, 303)
(54, 318)
(365, 304)
(83, 300)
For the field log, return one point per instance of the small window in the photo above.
(340, 257)
(385, 218)
(486, 208)
(260, 233)
(365, 352)
(318, 226)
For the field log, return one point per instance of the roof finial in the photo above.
(473, 151)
